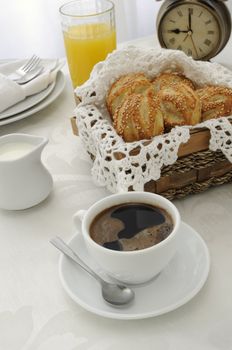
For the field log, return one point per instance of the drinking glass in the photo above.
(89, 35)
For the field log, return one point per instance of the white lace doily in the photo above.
(119, 165)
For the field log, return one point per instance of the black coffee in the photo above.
(131, 226)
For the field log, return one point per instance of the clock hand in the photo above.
(189, 34)
(194, 46)
(189, 20)
(186, 36)
(177, 31)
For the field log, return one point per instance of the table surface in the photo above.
(35, 311)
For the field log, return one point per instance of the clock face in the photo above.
(191, 28)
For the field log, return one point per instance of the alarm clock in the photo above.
(200, 28)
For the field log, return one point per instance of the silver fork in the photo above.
(31, 64)
(32, 74)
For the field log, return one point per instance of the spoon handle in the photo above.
(65, 249)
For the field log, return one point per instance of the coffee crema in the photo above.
(131, 226)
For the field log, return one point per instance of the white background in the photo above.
(33, 26)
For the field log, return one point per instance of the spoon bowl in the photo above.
(117, 294)
(113, 293)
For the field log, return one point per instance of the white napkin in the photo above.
(11, 92)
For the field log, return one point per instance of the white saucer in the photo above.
(178, 283)
(53, 94)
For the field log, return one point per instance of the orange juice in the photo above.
(85, 45)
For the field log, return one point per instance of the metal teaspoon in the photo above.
(114, 294)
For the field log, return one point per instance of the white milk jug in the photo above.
(24, 180)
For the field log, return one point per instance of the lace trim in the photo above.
(119, 165)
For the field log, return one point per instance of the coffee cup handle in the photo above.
(78, 217)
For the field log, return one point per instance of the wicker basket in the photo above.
(196, 169)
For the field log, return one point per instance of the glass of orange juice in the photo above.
(89, 35)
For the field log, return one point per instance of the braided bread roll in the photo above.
(216, 101)
(180, 105)
(166, 79)
(124, 87)
(139, 117)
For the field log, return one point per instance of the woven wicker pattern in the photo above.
(197, 187)
(119, 165)
(192, 161)
(192, 174)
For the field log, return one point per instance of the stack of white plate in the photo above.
(31, 104)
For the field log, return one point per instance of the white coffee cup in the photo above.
(132, 267)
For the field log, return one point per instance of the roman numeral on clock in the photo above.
(207, 42)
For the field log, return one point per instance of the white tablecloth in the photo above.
(36, 313)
